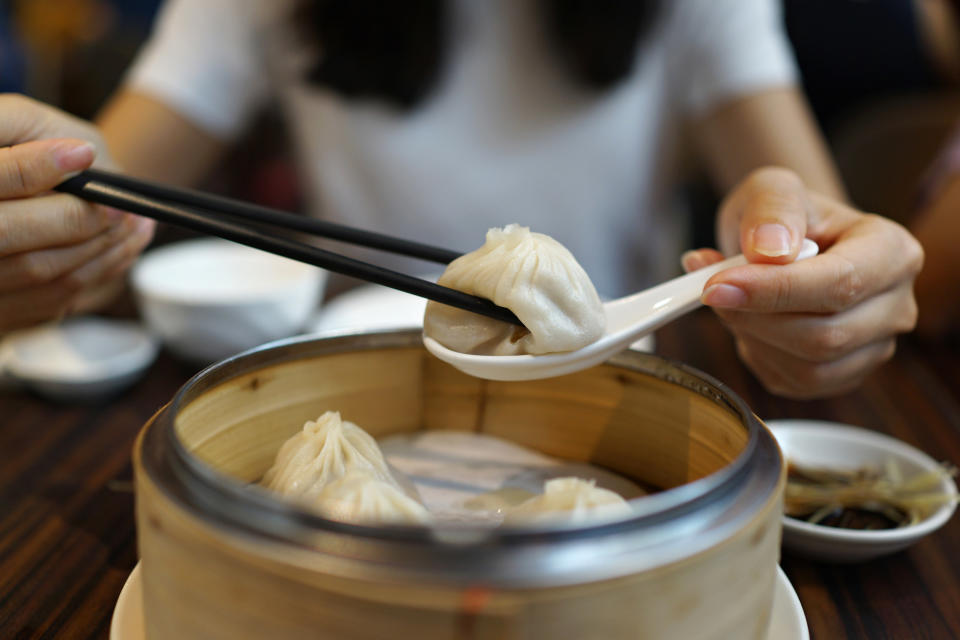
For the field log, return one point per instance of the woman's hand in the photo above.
(58, 254)
(819, 326)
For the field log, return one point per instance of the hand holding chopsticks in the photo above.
(255, 226)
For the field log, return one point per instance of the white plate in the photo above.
(830, 444)
(370, 308)
(127, 621)
(787, 621)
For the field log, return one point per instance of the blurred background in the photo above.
(73, 54)
(882, 77)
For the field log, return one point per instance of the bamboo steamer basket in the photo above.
(223, 559)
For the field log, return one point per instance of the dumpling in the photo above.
(323, 451)
(534, 276)
(360, 497)
(569, 500)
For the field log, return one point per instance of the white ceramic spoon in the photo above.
(628, 319)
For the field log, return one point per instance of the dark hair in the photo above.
(393, 50)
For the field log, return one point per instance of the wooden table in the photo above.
(67, 539)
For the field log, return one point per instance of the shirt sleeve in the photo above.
(204, 61)
(729, 49)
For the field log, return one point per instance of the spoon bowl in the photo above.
(628, 319)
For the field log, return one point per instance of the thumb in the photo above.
(768, 215)
(34, 167)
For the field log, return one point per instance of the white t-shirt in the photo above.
(506, 136)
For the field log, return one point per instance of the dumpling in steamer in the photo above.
(534, 276)
(360, 497)
(569, 501)
(323, 451)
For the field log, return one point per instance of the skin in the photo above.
(771, 128)
(819, 327)
(58, 254)
(149, 139)
(810, 329)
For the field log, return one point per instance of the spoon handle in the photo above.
(647, 310)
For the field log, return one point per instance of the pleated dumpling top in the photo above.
(534, 276)
(336, 468)
(569, 500)
(324, 450)
(360, 497)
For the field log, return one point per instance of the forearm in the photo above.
(150, 140)
(772, 128)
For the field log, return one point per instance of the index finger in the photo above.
(34, 167)
(873, 255)
(765, 216)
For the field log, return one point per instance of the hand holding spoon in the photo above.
(628, 319)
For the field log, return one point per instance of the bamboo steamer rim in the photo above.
(223, 498)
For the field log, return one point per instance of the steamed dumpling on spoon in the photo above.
(534, 276)
(569, 330)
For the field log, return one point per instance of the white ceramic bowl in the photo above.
(83, 358)
(830, 444)
(209, 298)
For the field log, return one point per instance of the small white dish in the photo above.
(81, 358)
(209, 298)
(787, 621)
(832, 445)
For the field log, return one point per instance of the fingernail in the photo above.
(71, 156)
(724, 296)
(114, 215)
(691, 261)
(771, 240)
(144, 225)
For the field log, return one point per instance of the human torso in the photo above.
(505, 137)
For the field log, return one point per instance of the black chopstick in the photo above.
(84, 186)
(274, 217)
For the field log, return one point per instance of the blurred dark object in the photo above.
(852, 52)
(75, 51)
(883, 78)
(395, 52)
(885, 150)
(12, 59)
(372, 49)
(597, 40)
(73, 54)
